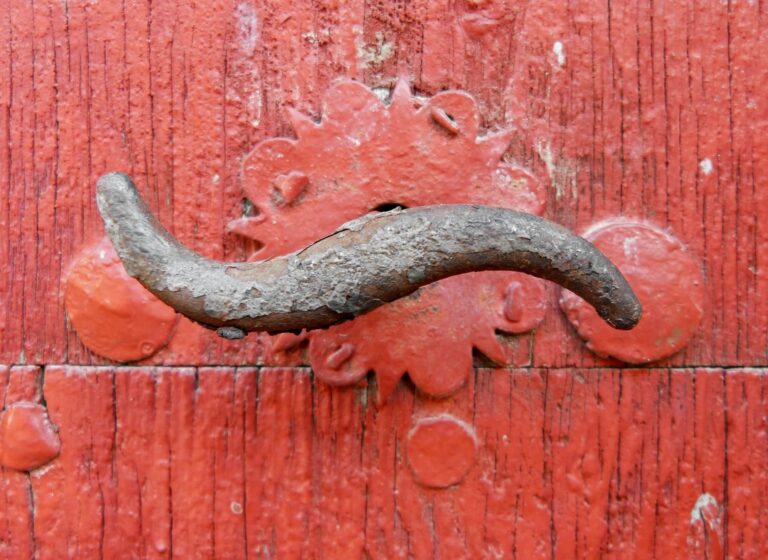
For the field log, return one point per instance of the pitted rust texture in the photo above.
(363, 265)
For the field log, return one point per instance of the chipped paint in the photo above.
(382, 93)
(370, 55)
(705, 502)
(247, 27)
(42, 471)
(562, 174)
(559, 51)
(246, 87)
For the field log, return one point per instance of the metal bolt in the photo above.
(445, 120)
(340, 356)
(291, 185)
(513, 310)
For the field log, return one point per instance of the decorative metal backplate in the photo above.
(364, 154)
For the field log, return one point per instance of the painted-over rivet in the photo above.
(513, 306)
(444, 120)
(291, 185)
(441, 450)
(668, 281)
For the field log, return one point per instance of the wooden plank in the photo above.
(74, 495)
(246, 463)
(746, 395)
(652, 111)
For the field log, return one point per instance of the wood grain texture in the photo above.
(652, 110)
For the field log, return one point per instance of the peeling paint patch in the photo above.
(255, 105)
(706, 166)
(382, 93)
(42, 471)
(368, 55)
(245, 89)
(247, 27)
(545, 153)
(562, 173)
(630, 248)
(559, 51)
(705, 502)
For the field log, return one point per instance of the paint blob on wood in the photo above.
(113, 314)
(27, 439)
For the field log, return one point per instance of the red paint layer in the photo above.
(657, 114)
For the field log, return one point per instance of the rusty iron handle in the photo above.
(366, 263)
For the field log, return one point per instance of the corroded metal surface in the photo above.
(366, 263)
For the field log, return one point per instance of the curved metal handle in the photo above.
(363, 265)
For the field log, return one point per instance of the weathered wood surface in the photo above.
(651, 110)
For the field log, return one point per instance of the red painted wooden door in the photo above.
(652, 111)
